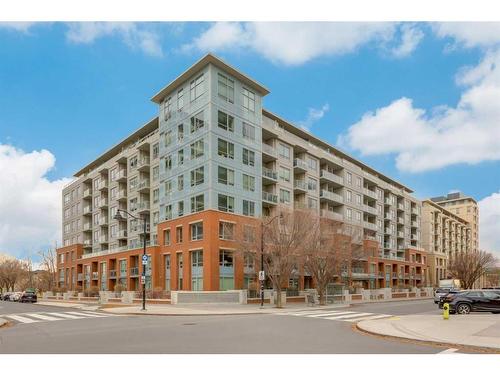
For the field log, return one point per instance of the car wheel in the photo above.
(463, 308)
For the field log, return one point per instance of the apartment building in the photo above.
(466, 208)
(216, 161)
(443, 235)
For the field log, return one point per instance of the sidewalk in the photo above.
(213, 309)
(482, 331)
(2, 322)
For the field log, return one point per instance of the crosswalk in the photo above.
(40, 317)
(340, 315)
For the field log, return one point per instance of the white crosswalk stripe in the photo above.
(341, 315)
(40, 317)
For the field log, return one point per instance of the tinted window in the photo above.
(474, 294)
(491, 295)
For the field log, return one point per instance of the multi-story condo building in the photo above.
(466, 208)
(212, 161)
(443, 235)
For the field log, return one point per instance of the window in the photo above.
(156, 195)
(284, 151)
(180, 132)
(248, 183)
(284, 196)
(197, 122)
(156, 218)
(168, 187)
(312, 184)
(248, 208)
(180, 271)
(358, 199)
(197, 149)
(226, 270)
(249, 233)
(197, 270)
(225, 121)
(312, 203)
(284, 174)
(225, 88)
(196, 230)
(312, 163)
(198, 203)
(248, 157)
(178, 234)
(358, 216)
(348, 197)
(197, 87)
(113, 174)
(197, 176)
(132, 164)
(167, 272)
(180, 182)
(66, 196)
(180, 99)
(180, 157)
(225, 149)
(156, 150)
(180, 208)
(248, 100)
(156, 173)
(168, 163)
(225, 176)
(349, 214)
(225, 203)
(226, 230)
(167, 108)
(168, 212)
(358, 182)
(248, 131)
(349, 178)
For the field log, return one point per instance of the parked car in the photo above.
(28, 297)
(14, 297)
(441, 292)
(473, 300)
(6, 296)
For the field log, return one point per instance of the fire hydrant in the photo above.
(446, 311)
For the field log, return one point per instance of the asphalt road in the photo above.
(252, 334)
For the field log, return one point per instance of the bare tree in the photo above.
(11, 272)
(49, 264)
(469, 266)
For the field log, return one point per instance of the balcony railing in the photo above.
(144, 184)
(332, 177)
(300, 185)
(87, 193)
(369, 209)
(87, 210)
(143, 206)
(270, 174)
(299, 163)
(269, 150)
(103, 184)
(370, 193)
(269, 197)
(331, 196)
(369, 225)
(332, 215)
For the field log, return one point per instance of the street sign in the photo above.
(144, 258)
(262, 276)
(143, 279)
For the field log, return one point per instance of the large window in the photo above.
(197, 149)
(178, 234)
(225, 121)
(284, 151)
(248, 208)
(180, 132)
(284, 196)
(197, 270)
(197, 87)
(225, 88)
(248, 183)
(248, 131)
(226, 270)
(197, 176)
(180, 182)
(225, 176)
(248, 100)
(196, 230)
(167, 272)
(197, 122)
(226, 230)
(180, 157)
(167, 108)
(180, 99)
(225, 149)
(166, 237)
(248, 157)
(225, 203)
(180, 208)
(168, 138)
(198, 203)
(284, 174)
(180, 271)
(168, 162)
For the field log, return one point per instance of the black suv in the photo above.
(473, 300)
(28, 297)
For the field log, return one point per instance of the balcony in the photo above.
(330, 196)
(369, 225)
(369, 209)
(414, 237)
(121, 176)
(300, 185)
(103, 239)
(387, 216)
(387, 230)
(143, 186)
(269, 198)
(87, 243)
(121, 234)
(269, 176)
(299, 165)
(401, 220)
(87, 210)
(332, 215)
(112, 274)
(87, 193)
(103, 185)
(414, 211)
(95, 275)
(122, 196)
(331, 177)
(143, 207)
(387, 245)
(87, 227)
(268, 153)
(387, 201)
(401, 207)
(143, 164)
(370, 193)
(134, 272)
(414, 223)
(103, 203)
(400, 234)
(103, 221)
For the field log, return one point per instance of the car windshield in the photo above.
(442, 290)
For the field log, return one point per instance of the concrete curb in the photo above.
(391, 300)
(428, 342)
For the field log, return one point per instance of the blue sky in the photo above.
(61, 85)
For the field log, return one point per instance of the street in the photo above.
(48, 329)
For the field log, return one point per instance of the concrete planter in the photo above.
(228, 296)
(128, 297)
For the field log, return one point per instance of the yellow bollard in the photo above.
(446, 311)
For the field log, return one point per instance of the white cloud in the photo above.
(489, 223)
(470, 34)
(313, 116)
(294, 43)
(136, 37)
(30, 204)
(411, 35)
(23, 27)
(468, 133)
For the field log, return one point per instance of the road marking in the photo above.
(368, 318)
(43, 317)
(21, 319)
(346, 316)
(449, 351)
(303, 312)
(68, 316)
(89, 314)
(332, 313)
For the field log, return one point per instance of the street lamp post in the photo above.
(262, 275)
(119, 217)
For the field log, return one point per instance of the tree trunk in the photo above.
(321, 295)
(278, 299)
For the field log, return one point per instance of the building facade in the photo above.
(215, 160)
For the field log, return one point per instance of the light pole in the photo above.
(119, 217)
(261, 273)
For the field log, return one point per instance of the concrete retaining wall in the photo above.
(228, 296)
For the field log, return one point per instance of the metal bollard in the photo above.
(446, 311)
